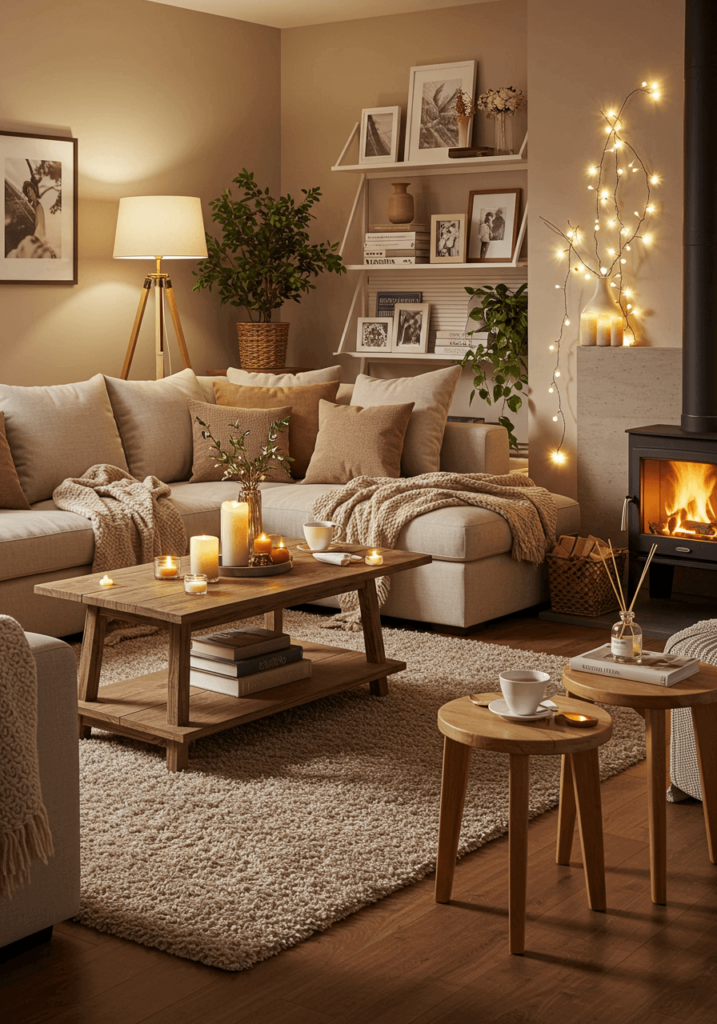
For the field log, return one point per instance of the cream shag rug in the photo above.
(281, 827)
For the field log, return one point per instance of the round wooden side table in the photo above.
(466, 726)
(699, 692)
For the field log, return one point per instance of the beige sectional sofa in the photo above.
(144, 426)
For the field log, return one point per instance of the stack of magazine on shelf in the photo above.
(457, 343)
(396, 245)
(661, 669)
(242, 661)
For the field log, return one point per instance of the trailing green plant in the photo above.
(264, 257)
(504, 315)
(236, 462)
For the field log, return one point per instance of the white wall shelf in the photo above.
(441, 268)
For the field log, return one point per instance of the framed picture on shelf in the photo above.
(410, 327)
(374, 334)
(40, 240)
(379, 135)
(493, 226)
(448, 238)
(431, 126)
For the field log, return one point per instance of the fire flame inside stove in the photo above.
(689, 500)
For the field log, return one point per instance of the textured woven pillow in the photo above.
(358, 442)
(283, 380)
(11, 493)
(153, 423)
(219, 419)
(304, 401)
(431, 394)
(59, 431)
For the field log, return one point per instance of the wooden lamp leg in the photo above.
(136, 327)
(172, 303)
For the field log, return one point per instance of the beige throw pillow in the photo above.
(431, 394)
(153, 423)
(358, 442)
(11, 493)
(283, 380)
(304, 401)
(59, 431)
(220, 419)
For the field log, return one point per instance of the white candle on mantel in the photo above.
(235, 533)
(204, 556)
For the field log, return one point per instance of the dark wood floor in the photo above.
(408, 960)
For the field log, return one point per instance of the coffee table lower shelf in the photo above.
(138, 707)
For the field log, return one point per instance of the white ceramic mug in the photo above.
(523, 690)
(320, 535)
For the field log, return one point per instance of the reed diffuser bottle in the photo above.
(626, 640)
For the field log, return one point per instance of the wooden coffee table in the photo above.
(161, 707)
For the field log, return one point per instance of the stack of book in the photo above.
(242, 661)
(455, 344)
(660, 669)
(396, 245)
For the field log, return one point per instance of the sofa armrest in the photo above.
(475, 448)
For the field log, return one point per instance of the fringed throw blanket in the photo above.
(374, 510)
(133, 522)
(24, 828)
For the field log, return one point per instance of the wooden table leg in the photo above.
(93, 643)
(372, 635)
(704, 719)
(566, 813)
(180, 637)
(274, 620)
(657, 803)
(518, 850)
(456, 761)
(585, 768)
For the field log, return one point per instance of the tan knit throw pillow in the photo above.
(11, 493)
(358, 442)
(219, 419)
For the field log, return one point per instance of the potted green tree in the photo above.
(504, 315)
(263, 259)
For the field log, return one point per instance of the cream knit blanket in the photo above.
(24, 829)
(374, 510)
(133, 522)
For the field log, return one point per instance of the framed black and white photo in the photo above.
(410, 327)
(431, 126)
(448, 238)
(374, 334)
(493, 226)
(379, 135)
(40, 240)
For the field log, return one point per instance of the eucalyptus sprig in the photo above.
(251, 472)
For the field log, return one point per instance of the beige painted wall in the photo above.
(163, 101)
(329, 73)
(582, 59)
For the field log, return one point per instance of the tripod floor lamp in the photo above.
(158, 228)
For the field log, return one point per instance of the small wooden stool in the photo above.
(465, 726)
(699, 692)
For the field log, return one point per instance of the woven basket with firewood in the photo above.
(578, 571)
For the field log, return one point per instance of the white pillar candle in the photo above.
(588, 329)
(235, 533)
(204, 556)
(616, 333)
(604, 328)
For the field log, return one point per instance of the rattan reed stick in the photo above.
(623, 602)
(653, 549)
(609, 576)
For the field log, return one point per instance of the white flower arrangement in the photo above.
(501, 101)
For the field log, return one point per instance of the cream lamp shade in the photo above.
(170, 227)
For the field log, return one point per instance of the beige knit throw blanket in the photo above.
(133, 522)
(374, 510)
(24, 828)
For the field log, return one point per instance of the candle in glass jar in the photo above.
(374, 558)
(166, 567)
(280, 553)
(262, 545)
(235, 533)
(195, 583)
(204, 556)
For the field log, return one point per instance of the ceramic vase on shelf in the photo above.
(503, 134)
(601, 321)
(464, 122)
(400, 203)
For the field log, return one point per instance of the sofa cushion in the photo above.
(11, 493)
(43, 540)
(304, 401)
(358, 442)
(431, 394)
(59, 431)
(220, 419)
(154, 423)
(283, 380)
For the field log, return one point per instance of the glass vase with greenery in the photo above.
(504, 316)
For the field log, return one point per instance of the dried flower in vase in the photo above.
(501, 101)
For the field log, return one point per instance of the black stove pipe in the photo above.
(699, 318)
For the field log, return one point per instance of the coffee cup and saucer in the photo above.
(321, 535)
(525, 696)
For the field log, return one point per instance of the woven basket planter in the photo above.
(580, 586)
(262, 346)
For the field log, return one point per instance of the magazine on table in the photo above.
(661, 669)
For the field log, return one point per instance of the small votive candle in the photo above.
(280, 553)
(374, 558)
(204, 557)
(195, 583)
(262, 545)
(106, 581)
(166, 567)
